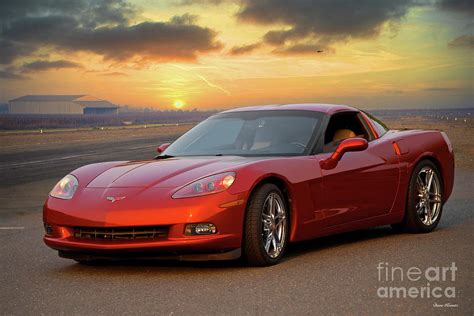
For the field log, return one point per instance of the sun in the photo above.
(179, 104)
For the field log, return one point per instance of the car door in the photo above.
(364, 183)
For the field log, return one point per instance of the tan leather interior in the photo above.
(343, 134)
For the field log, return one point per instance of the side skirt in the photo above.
(387, 219)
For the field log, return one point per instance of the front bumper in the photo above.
(188, 244)
(224, 210)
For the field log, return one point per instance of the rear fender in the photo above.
(433, 145)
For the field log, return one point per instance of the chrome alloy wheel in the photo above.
(274, 225)
(428, 204)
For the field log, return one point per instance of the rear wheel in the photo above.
(266, 227)
(424, 201)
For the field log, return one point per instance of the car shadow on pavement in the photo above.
(144, 267)
(294, 250)
(303, 247)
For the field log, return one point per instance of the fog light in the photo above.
(200, 229)
(48, 229)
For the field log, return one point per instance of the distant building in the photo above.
(60, 104)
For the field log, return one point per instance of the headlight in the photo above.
(210, 185)
(65, 188)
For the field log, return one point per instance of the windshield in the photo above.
(254, 133)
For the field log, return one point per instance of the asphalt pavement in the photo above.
(349, 273)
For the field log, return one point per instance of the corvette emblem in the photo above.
(115, 198)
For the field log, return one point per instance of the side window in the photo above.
(342, 126)
(378, 124)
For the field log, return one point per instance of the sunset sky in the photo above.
(214, 54)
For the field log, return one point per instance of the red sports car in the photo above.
(246, 182)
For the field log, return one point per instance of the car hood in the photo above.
(171, 172)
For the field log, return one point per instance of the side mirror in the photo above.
(162, 147)
(350, 144)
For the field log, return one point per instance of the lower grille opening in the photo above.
(121, 233)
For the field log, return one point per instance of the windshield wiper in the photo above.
(164, 157)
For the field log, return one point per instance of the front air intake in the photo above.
(121, 233)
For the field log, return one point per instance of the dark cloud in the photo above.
(157, 41)
(10, 75)
(43, 65)
(244, 49)
(90, 13)
(10, 50)
(461, 6)
(101, 27)
(192, 2)
(323, 21)
(463, 41)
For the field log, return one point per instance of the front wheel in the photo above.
(266, 229)
(424, 201)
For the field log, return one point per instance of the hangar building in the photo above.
(60, 104)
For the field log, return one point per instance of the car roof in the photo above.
(316, 107)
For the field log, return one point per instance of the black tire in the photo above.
(254, 252)
(412, 222)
